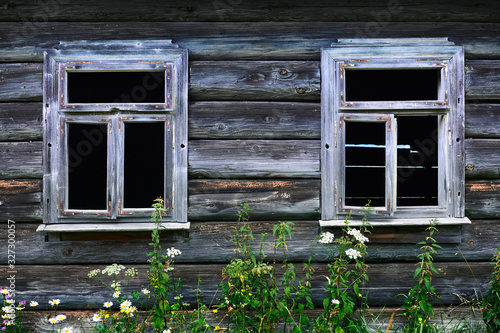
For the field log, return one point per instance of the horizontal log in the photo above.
(214, 200)
(229, 159)
(377, 319)
(241, 11)
(246, 80)
(482, 156)
(25, 42)
(241, 120)
(387, 283)
(479, 77)
(481, 120)
(211, 242)
(254, 159)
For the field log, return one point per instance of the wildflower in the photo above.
(168, 269)
(55, 302)
(53, 320)
(353, 254)
(357, 234)
(23, 303)
(20, 307)
(60, 317)
(166, 331)
(108, 304)
(173, 252)
(94, 272)
(217, 328)
(67, 330)
(335, 301)
(131, 272)
(125, 304)
(145, 291)
(114, 269)
(10, 301)
(326, 238)
(116, 294)
(96, 317)
(116, 285)
(214, 310)
(5, 291)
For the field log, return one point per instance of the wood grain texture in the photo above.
(258, 10)
(387, 281)
(211, 242)
(246, 80)
(25, 42)
(21, 121)
(244, 159)
(218, 199)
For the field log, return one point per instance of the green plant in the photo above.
(169, 312)
(418, 308)
(347, 274)
(491, 305)
(254, 300)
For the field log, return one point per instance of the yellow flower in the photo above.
(217, 328)
(249, 294)
(214, 310)
(359, 295)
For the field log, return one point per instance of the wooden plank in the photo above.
(245, 40)
(217, 199)
(482, 199)
(481, 120)
(20, 199)
(21, 159)
(479, 77)
(211, 242)
(482, 156)
(259, 10)
(263, 80)
(76, 290)
(377, 319)
(240, 120)
(20, 121)
(223, 159)
(245, 80)
(254, 159)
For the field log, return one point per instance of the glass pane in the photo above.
(391, 84)
(116, 87)
(365, 163)
(417, 177)
(144, 166)
(87, 166)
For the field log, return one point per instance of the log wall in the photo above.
(254, 133)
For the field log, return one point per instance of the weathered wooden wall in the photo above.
(254, 132)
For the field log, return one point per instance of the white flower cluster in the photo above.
(173, 252)
(114, 269)
(326, 238)
(126, 307)
(353, 254)
(57, 319)
(357, 234)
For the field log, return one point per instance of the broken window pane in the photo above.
(87, 166)
(417, 176)
(116, 87)
(144, 163)
(373, 85)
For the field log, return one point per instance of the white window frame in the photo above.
(359, 54)
(58, 112)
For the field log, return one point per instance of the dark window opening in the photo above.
(87, 166)
(365, 160)
(116, 87)
(373, 85)
(417, 160)
(144, 164)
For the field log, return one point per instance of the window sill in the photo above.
(397, 222)
(110, 227)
